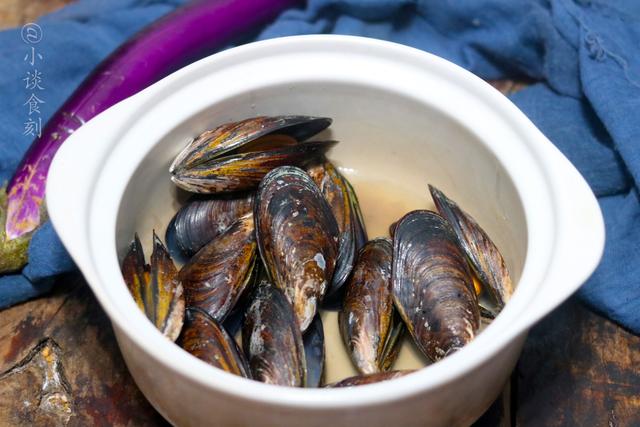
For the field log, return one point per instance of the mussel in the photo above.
(370, 378)
(272, 340)
(344, 204)
(432, 285)
(233, 321)
(360, 230)
(235, 156)
(368, 325)
(155, 287)
(201, 220)
(270, 191)
(313, 341)
(483, 255)
(216, 276)
(203, 337)
(298, 238)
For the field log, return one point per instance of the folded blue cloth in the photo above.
(583, 54)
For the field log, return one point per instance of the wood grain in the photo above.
(66, 334)
(14, 13)
(578, 369)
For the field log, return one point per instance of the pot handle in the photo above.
(579, 237)
(71, 180)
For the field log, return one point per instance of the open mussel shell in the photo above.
(483, 255)
(432, 285)
(344, 204)
(359, 229)
(201, 220)
(244, 171)
(216, 276)
(313, 342)
(257, 131)
(367, 316)
(370, 378)
(203, 337)
(272, 340)
(155, 287)
(297, 237)
(393, 343)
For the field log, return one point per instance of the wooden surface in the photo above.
(18, 12)
(60, 365)
(577, 369)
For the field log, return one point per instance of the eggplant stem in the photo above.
(13, 253)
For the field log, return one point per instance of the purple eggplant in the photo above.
(175, 40)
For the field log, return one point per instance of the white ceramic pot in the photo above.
(405, 118)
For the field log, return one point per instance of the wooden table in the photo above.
(60, 364)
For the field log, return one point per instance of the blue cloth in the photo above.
(584, 56)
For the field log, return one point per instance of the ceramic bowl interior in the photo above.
(390, 148)
(404, 119)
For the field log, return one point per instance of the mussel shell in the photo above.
(234, 320)
(216, 276)
(360, 230)
(244, 171)
(392, 229)
(344, 204)
(201, 220)
(486, 313)
(432, 285)
(155, 287)
(203, 337)
(313, 341)
(297, 237)
(231, 136)
(484, 256)
(370, 378)
(272, 340)
(366, 318)
(333, 188)
(392, 346)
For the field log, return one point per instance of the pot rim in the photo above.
(530, 166)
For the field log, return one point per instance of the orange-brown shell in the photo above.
(343, 201)
(367, 316)
(231, 136)
(244, 171)
(155, 287)
(207, 340)
(216, 276)
(235, 156)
